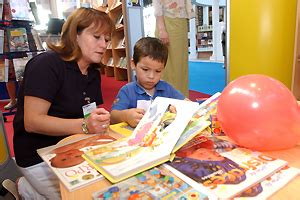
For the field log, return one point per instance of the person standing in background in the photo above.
(172, 28)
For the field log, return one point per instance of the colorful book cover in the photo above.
(154, 138)
(270, 185)
(67, 163)
(223, 172)
(19, 10)
(156, 183)
(17, 39)
(122, 128)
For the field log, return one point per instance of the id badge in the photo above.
(88, 108)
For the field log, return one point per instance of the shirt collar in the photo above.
(140, 90)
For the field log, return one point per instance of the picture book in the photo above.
(19, 10)
(199, 121)
(66, 162)
(220, 168)
(19, 66)
(154, 139)
(122, 128)
(17, 39)
(270, 185)
(156, 183)
(4, 70)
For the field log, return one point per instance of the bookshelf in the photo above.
(115, 59)
(18, 40)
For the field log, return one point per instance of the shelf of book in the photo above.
(116, 50)
(18, 40)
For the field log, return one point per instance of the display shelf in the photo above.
(117, 49)
(18, 41)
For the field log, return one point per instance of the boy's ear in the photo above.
(132, 65)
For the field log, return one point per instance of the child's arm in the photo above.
(131, 116)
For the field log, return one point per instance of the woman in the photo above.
(172, 28)
(59, 88)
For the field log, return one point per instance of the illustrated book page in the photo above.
(199, 121)
(221, 168)
(67, 163)
(156, 183)
(270, 185)
(150, 144)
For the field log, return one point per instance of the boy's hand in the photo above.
(134, 116)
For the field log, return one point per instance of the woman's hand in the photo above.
(163, 36)
(98, 121)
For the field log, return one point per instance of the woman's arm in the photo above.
(160, 22)
(37, 120)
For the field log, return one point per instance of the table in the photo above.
(290, 191)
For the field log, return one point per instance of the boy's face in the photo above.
(148, 72)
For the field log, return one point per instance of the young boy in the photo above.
(149, 60)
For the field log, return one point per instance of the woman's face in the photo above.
(92, 44)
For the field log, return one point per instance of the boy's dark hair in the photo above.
(151, 47)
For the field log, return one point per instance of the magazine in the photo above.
(221, 168)
(19, 66)
(154, 138)
(270, 185)
(156, 183)
(19, 10)
(67, 163)
(17, 39)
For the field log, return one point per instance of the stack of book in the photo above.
(172, 154)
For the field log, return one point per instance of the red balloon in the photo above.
(260, 113)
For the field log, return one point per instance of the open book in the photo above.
(156, 183)
(151, 143)
(219, 168)
(67, 163)
(270, 185)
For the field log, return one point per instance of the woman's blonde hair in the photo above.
(79, 20)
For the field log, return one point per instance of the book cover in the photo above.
(4, 70)
(154, 138)
(17, 39)
(222, 169)
(270, 185)
(122, 128)
(156, 183)
(67, 163)
(19, 66)
(19, 10)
